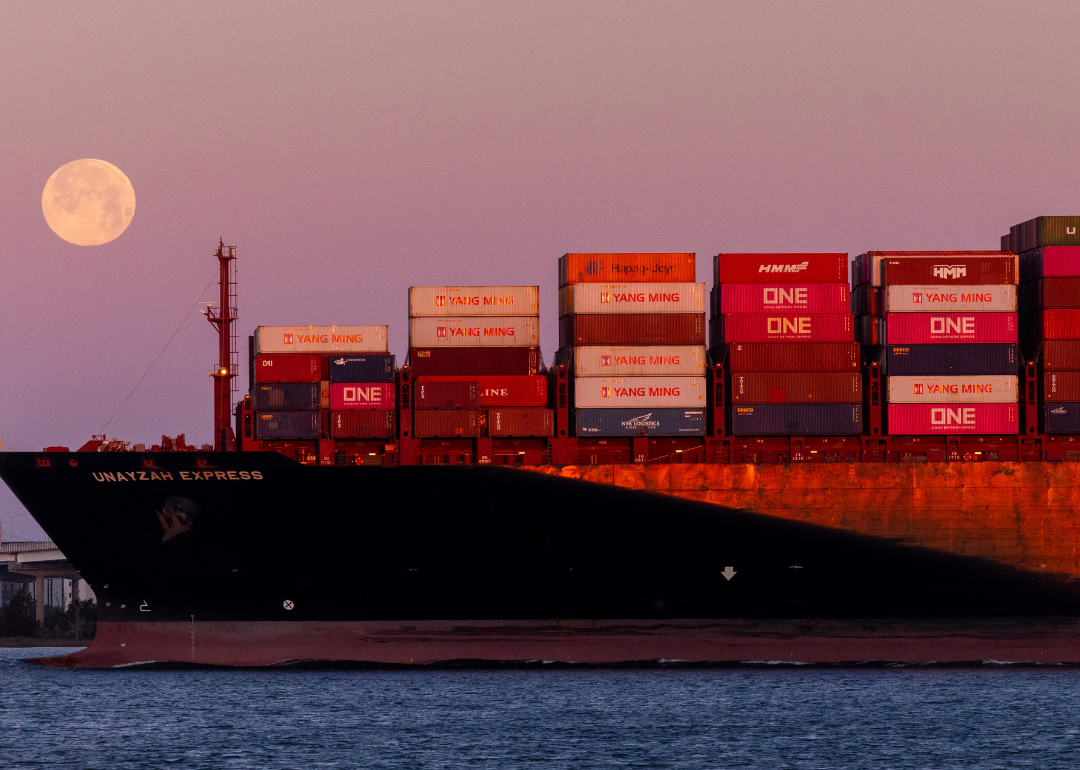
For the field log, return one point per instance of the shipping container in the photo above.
(639, 422)
(1000, 298)
(1060, 355)
(324, 394)
(362, 395)
(951, 270)
(272, 426)
(639, 361)
(1061, 386)
(362, 424)
(516, 421)
(483, 331)
(794, 357)
(927, 419)
(954, 389)
(632, 298)
(446, 395)
(1061, 417)
(321, 339)
(287, 367)
(933, 328)
(1046, 231)
(639, 392)
(370, 368)
(796, 388)
(286, 396)
(435, 362)
(796, 420)
(447, 423)
(633, 329)
(769, 268)
(784, 297)
(870, 330)
(1049, 293)
(867, 268)
(474, 301)
(507, 390)
(1050, 262)
(626, 268)
(954, 359)
(789, 327)
(1054, 324)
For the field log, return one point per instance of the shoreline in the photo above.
(33, 641)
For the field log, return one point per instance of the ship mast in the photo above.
(223, 317)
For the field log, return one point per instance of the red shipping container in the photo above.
(520, 422)
(446, 395)
(429, 362)
(784, 297)
(789, 327)
(447, 423)
(950, 270)
(926, 419)
(362, 424)
(288, 367)
(919, 328)
(1057, 324)
(1061, 386)
(1050, 262)
(1061, 355)
(769, 268)
(796, 387)
(627, 268)
(1049, 293)
(363, 395)
(794, 357)
(508, 390)
(632, 329)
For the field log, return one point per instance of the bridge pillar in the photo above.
(75, 589)
(39, 598)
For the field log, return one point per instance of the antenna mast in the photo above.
(223, 317)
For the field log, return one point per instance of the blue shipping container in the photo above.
(631, 422)
(270, 426)
(377, 367)
(796, 420)
(1061, 417)
(287, 396)
(959, 358)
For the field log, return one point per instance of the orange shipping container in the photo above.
(626, 268)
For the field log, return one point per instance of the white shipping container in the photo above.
(999, 298)
(481, 331)
(639, 361)
(321, 339)
(632, 298)
(958, 389)
(473, 301)
(644, 392)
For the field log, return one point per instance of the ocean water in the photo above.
(763, 717)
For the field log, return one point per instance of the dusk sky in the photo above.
(353, 149)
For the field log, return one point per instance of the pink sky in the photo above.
(351, 150)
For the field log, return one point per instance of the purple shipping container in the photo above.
(796, 420)
(520, 422)
(789, 327)
(361, 395)
(1050, 262)
(926, 419)
(271, 426)
(917, 328)
(286, 396)
(446, 395)
(784, 297)
(636, 329)
(435, 362)
(362, 424)
(447, 423)
(794, 357)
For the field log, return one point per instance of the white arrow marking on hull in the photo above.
(729, 572)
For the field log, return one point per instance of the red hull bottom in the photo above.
(1012, 640)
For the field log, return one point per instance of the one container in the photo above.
(519, 421)
(789, 327)
(321, 339)
(632, 298)
(639, 392)
(796, 388)
(783, 297)
(955, 359)
(374, 367)
(1061, 417)
(999, 298)
(796, 419)
(926, 419)
(474, 301)
(1061, 386)
(626, 268)
(950, 270)
(362, 424)
(1061, 355)
(287, 367)
(469, 361)
(271, 426)
(361, 395)
(447, 423)
(954, 389)
(446, 395)
(483, 331)
(286, 396)
(639, 361)
(1050, 293)
(920, 328)
(794, 357)
(633, 329)
(769, 268)
(638, 422)
(507, 390)
(1057, 324)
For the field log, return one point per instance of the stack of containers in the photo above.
(632, 331)
(475, 359)
(783, 323)
(292, 388)
(362, 396)
(951, 357)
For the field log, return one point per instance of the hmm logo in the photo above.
(947, 416)
(440, 331)
(950, 271)
(783, 268)
(440, 300)
(594, 266)
(605, 360)
(918, 388)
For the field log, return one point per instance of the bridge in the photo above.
(32, 562)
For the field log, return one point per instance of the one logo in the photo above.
(605, 360)
(950, 271)
(440, 331)
(440, 301)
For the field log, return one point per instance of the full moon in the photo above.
(88, 202)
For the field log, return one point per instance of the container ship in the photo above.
(817, 460)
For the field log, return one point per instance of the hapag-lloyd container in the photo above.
(435, 362)
(770, 268)
(789, 327)
(796, 388)
(270, 426)
(867, 268)
(927, 419)
(365, 395)
(286, 396)
(362, 424)
(1061, 386)
(635, 422)
(516, 421)
(321, 339)
(632, 329)
(784, 297)
(474, 300)
(1049, 293)
(482, 331)
(917, 328)
(446, 395)
(639, 361)
(639, 392)
(796, 419)
(950, 270)
(952, 359)
(1061, 417)
(954, 389)
(1056, 324)
(374, 367)
(447, 423)
(287, 367)
(794, 357)
(632, 298)
(1000, 298)
(626, 268)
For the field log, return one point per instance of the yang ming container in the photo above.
(796, 420)
(484, 331)
(955, 359)
(321, 339)
(639, 361)
(447, 423)
(639, 392)
(361, 395)
(928, 419)
(288, 367)
(784, 297)
(446, 395)
(434, 362)
(632, 298)
(920, 328)
(373, 367)
(1061, 418)
(954, 389)
(286, 396)
(357, 424)
(769, 268)
(1061, 386)
(273, 426)
(626, 268)
(510, 422)
(636, 422)
(950, 270)
(789, 327)
(796, 388)
(632, 329)
(927, 299)
(1050, 262)
(506, 390)
(473, 301)
(794, 357)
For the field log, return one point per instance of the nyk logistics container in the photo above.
(447, 423)
(952, 359)
(374, 367)
(636, 422)
(950, 270)
(486, 331)
(999, 298)
(639, 392)
(286, 396)
(362, 395)
(796, 387)
(916, 328)
(794, 357)
(788, 327)
(953, 389)
(506, 390)
(926, 419)
(321, 339)
(288, 367)
(796, 420)
(362, 424)
(473, 301)
(632, 298)
(632, 329)
(446, 395)
(626, 268)
(1061, 418)
(480, 361)
(516, 421)
(1061, 386)
(638, 361)
(783, 297)
(770, 268)
(270, 426)
(1050, 262)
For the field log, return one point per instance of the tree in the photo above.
(20, 617)
(79, 620)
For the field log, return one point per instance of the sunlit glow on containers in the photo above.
(796, 420)
(626, 268)
(608, 392)
(321, 339)
(810, 387)
(636, 422)
(954, 389)
(926, 419)
(632, 298)
(794, 357)
(366, 395)
(639, 361)
(487, 331)
(770, 268)
(999, 298)
(474, 301)
(784, 297)
(788, 327)
(915, 328)
(952, 359)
